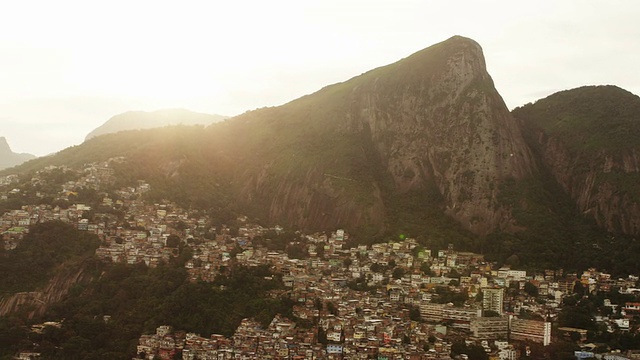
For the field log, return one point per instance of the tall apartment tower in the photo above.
(492, 299)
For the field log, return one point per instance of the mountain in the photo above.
(432, 122)
(589, 139)
(132, 120)
(10, 159)
(424, 147)
(396, 147)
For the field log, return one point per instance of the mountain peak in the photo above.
(8, 158)
(461, 39)
(4, 146)
(450, 47)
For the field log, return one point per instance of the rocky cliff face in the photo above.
(432, 119)
(588, 139)
(319, 200)
(598, 188)
(446, 124)
(35, 303)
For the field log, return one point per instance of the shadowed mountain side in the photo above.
(589, 139)
(433, 119)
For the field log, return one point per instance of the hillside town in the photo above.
(391, 300)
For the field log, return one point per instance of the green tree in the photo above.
(574, 336)
(331, 307)
(47, 246)
(414, 313)
(531, 289)
(513, 260)
(476, 352)
(398, 273)
(322, 336)
(297, 251)
(458, 348)
(579, 316)
(426, 269)
(173, 241)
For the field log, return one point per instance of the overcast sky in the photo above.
(68, 66)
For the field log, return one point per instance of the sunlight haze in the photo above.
(68, 66)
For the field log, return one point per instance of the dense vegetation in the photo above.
(555, 235)
(47, 246)
(587, 119)
(590, 123)
(578, 312)
(139, 299)
(596, 125)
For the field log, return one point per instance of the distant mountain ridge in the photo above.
(135, 120)
(10, 159)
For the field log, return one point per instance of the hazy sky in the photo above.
(68, 66)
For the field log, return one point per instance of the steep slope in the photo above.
(589, 138)
(438, 118)
(133, 120)
(52, 258)
(8, 158)
(433, 119)
(401, 144)
(35, 303)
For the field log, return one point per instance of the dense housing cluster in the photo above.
(392, 300)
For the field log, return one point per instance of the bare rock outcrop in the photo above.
(35, 303)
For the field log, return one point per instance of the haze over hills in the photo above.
(133, 120)
(8, 158)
